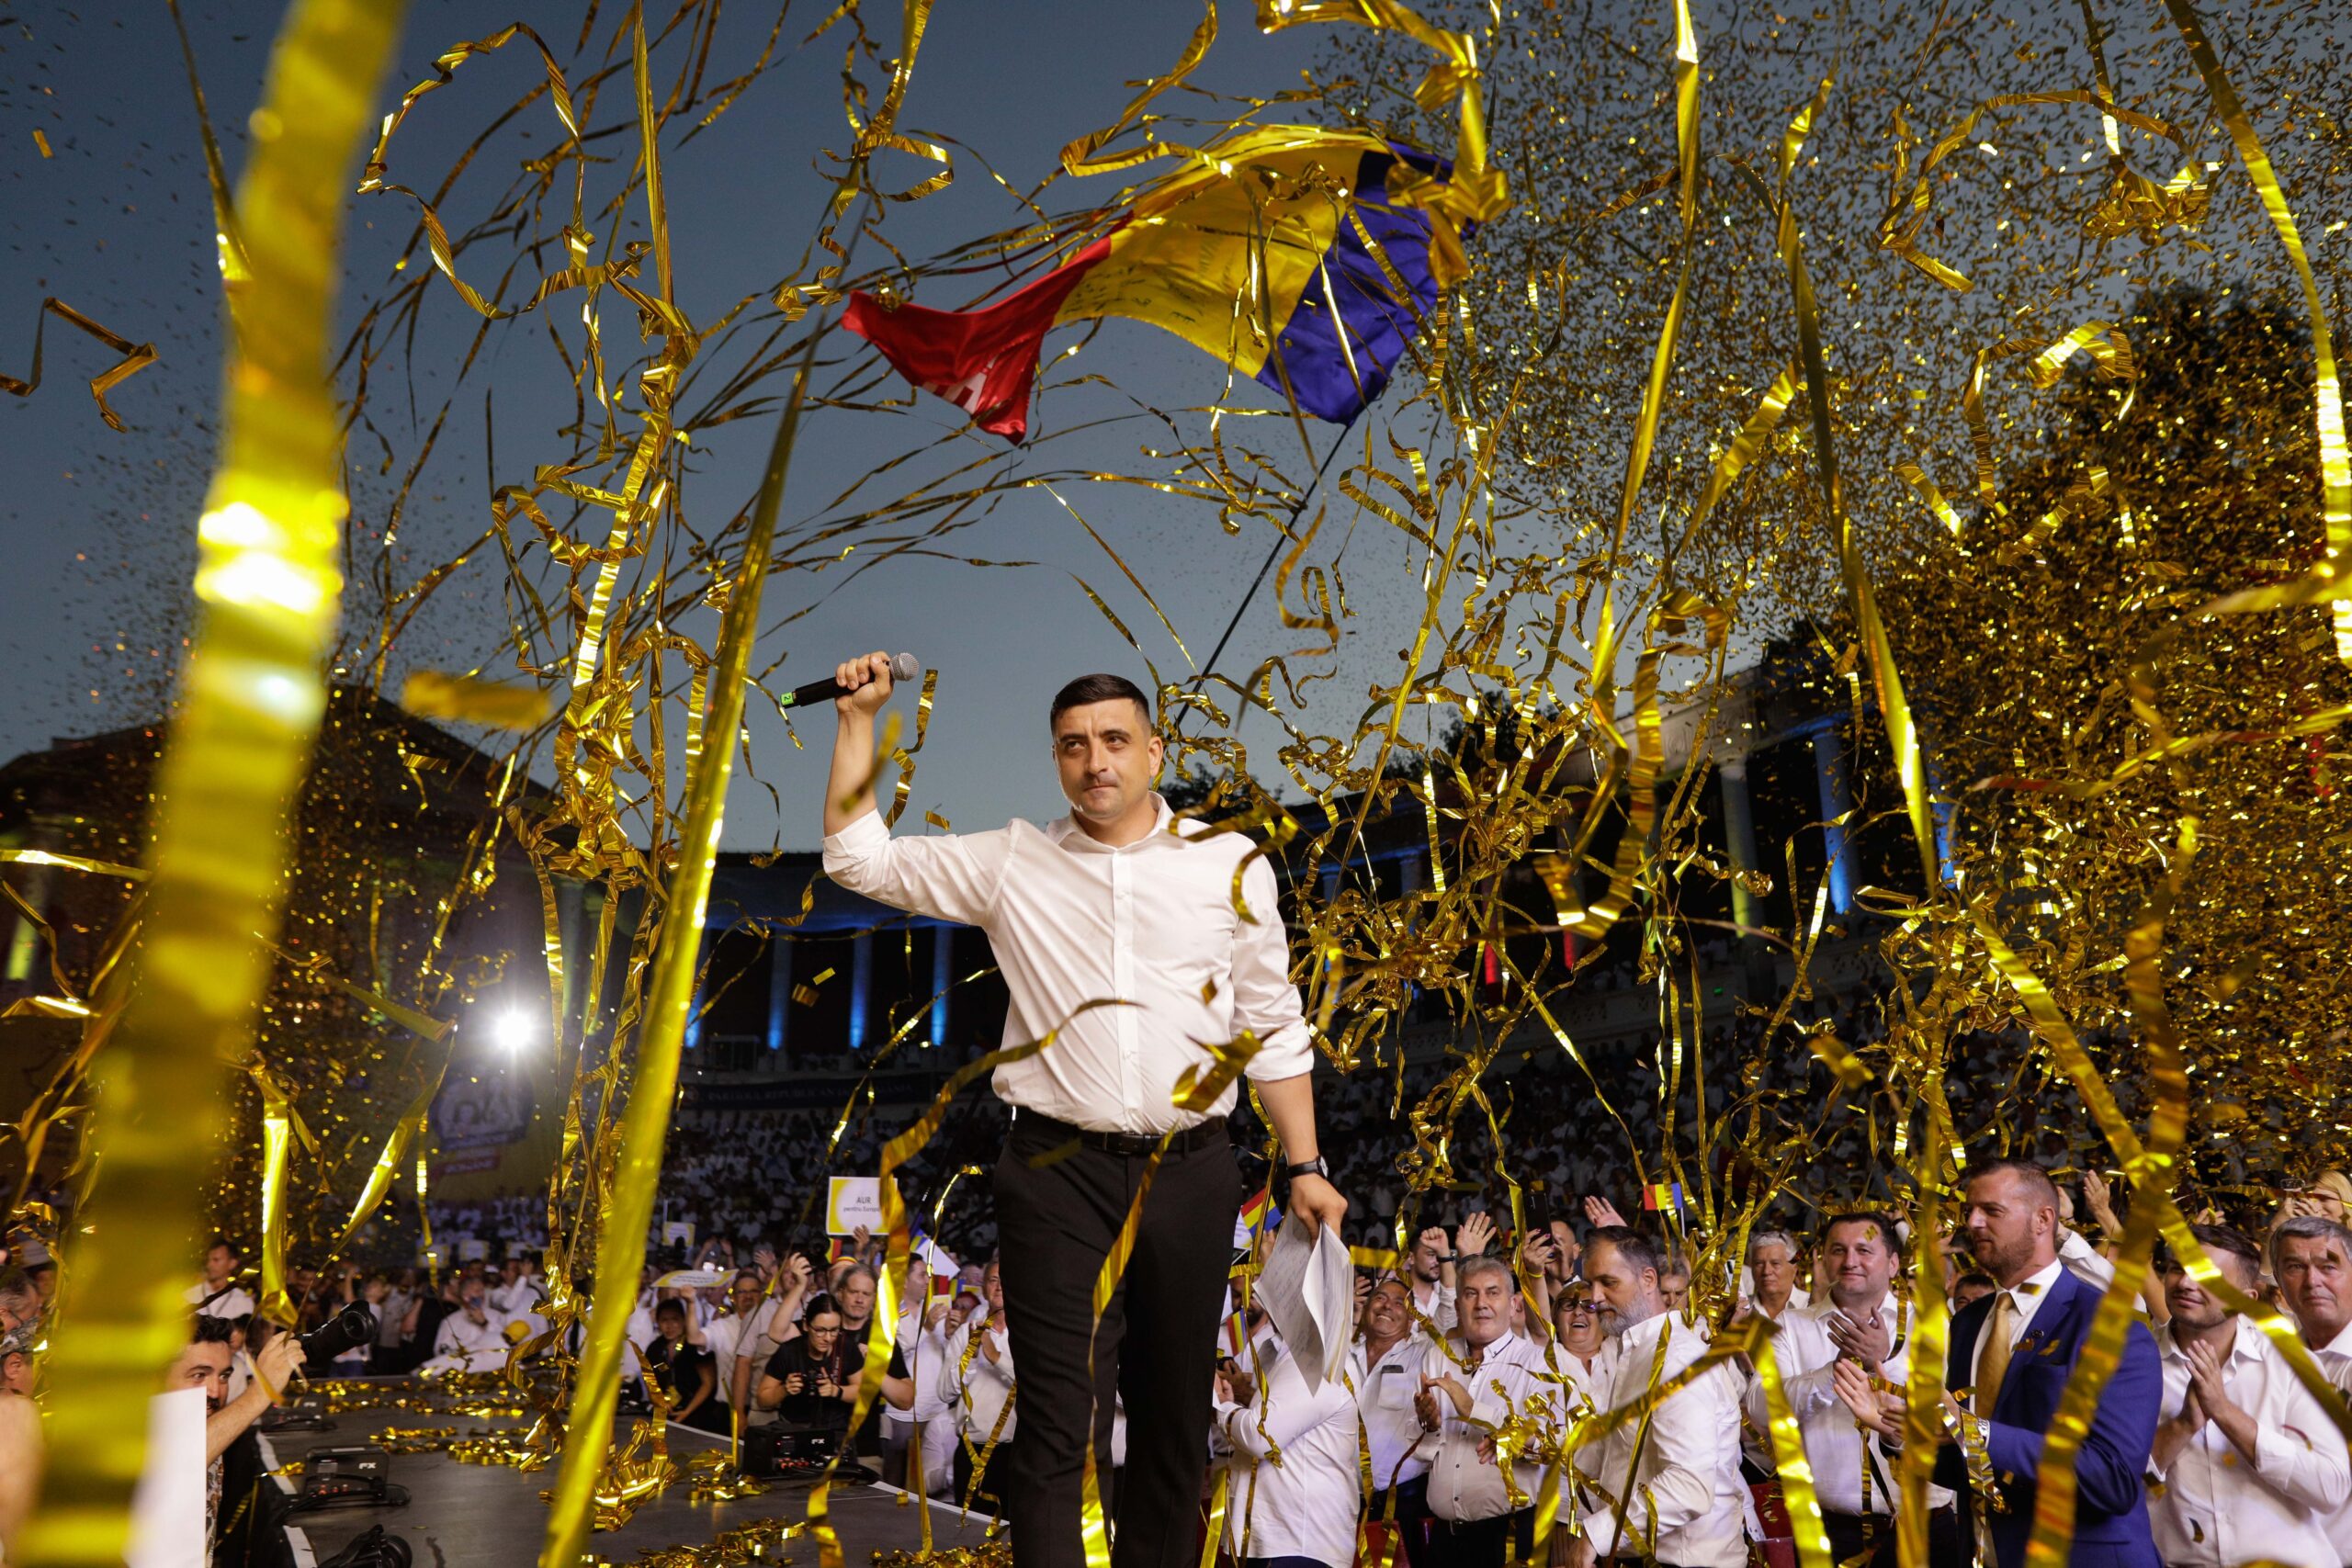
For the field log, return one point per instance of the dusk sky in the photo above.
(99, 525)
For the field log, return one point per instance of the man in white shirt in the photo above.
(726, 1337)
(975, 1385)
(2246, 1465)
(1864, 1323)
(2310, 1256)
(1772, 1274)
(521, 1289)
(1303, 1510)
(474, 1337)
(221, 1296)
(1479, 1517)
(1431, 1262)
(1385, 1365)
(1146, 964)
(1678, 1475)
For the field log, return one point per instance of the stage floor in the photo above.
(492, 1515)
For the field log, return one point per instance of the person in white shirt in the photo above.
(2246, 1466)
(219, 1295)
(932, 1421)
(2310, 1256)
(474, 1337)
(1479, 1517)
(725, 1337)
(520, 1291)
(1431, 1262)
(1385, 1365)
(976, 1385)
(1181, 925)
(1303, 1510)
(1862, 1322)
(1772, 1274)
(1678, 1476)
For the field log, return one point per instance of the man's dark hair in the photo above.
(2224, 1238)
(2036, 1179)
(1976, 1277)
(1871, 1218)
(16, 1284)
(1099, 689)
(1636, 1248)
(223, 1241)
(211, 1331)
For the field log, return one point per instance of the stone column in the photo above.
(1836, 800)
(1739, 836)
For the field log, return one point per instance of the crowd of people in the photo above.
(1483, 1366)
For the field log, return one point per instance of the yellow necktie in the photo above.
(1992, 1354)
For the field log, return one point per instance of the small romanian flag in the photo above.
(1659, 1196)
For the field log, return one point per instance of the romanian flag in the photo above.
(1261, 1212)
(1302, 256)
(1659, 1196)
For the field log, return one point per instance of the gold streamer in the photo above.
(269, 593)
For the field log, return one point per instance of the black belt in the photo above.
(1132, 1145)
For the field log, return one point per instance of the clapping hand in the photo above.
(1878, 1411)
(1868, 1343)
(2205, 1383)
(1425, 1405)
(2097, 1200)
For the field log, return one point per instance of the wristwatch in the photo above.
(1316, 1167)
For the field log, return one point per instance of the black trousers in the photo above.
(1058, 1219)
(1412, 1516)
(1483, 1543)
(1851, 1535)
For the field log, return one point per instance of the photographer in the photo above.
(233, 1469)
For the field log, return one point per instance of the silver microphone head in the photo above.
(905, 667)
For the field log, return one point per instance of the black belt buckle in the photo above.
(1128, 1146)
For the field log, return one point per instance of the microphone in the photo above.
(903, 667)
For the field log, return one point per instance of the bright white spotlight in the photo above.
(513, 1030)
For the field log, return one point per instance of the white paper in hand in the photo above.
(1308, 1289)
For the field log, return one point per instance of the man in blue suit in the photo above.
(2015, 1351)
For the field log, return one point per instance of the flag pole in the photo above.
(1281, 538)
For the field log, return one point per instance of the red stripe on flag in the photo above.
(983, 361)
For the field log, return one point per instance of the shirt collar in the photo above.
(2342, 1344)
(1064, 830)
(2245, 1346)
(2034, 1289)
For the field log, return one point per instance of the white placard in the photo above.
(852, 1201)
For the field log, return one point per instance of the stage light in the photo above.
(513, 1030)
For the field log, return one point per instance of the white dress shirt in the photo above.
(1834, 1443)
(2084, 1261)
(2335, 1359)
(1465, 1485)
(1392, 1427)
(1073, 921)
(730, 1338)
(2025, 1300)
(1685, 1502)
(979, 1397)
(236, 1301)
(463, 1344)
(1309, 1505)
(2211, 1508)
(524, 1295)
(1435, 1300)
